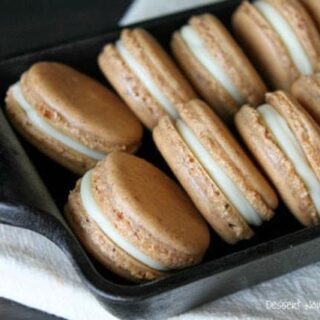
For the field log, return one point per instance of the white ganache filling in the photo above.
(287, 35)
(93, 210)
(146, 80)
(47, 129)
(288, 143)
(219, 176)
(201, 53)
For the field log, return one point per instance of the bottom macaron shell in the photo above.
(54, 149)
(206, 195)
(279, 168)
(101, 247)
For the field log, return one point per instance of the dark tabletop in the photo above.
(33, 24)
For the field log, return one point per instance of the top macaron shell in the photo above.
(265, 45)
(157, 68)
(280, 169)
(223, 51)
(148, 210)
(78, 107)
(203, 190)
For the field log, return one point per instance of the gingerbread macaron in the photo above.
(216, 65)
(135, 220)
(285, 140)
(307, 91)
(223, 183)
(281, 37)
(70, 117)
(144, 76)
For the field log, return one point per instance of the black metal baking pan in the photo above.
(280, 246)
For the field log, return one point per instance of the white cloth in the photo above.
(34, 272)
(147, 9)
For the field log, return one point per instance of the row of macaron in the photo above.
(279, 36)
(127, 213)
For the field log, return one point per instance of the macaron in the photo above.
(285, 140)
(135, 220)
(223, 183)
(70, 117)
(313, 7)
(280, 36)
(307, 91)
(216, 65)
(144, 76)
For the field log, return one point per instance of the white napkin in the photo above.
(147, 9)
(34, 272)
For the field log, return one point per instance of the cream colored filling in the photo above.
(287, 35)
(146, 80)
(48, 130)
(201, 53)
(287, 141)
(218, 175)
(93, 210)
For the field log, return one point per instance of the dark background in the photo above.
(33, 24)
(26, 25)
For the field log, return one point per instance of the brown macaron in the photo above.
(307, 91)
(144, 76)
(135, 220)
(285, 140)
(280, 36)
(313, 7)
(221, 180)
(70, 117)
(217, 66)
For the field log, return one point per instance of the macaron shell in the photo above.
(303, 26)
(101, 247)
(305, 129)
(156, 63)
(74, 161)
(149, 210)
(264, 46)
(225, 50)
(147, 52)
(307, 91)
(80, 107)
(207, 197)
(313, 7)
(276, 164)
(213, 92)
(223, 147)
(129, 87)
